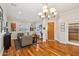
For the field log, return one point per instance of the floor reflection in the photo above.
(37, 47)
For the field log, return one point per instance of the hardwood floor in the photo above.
(49, 48)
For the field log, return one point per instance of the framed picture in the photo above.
(62, 27)
(1, 18)
(13, 27)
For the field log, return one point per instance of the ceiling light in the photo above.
(48, 12)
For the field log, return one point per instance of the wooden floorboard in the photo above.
(49, 48)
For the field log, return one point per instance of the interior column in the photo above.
(44, 29)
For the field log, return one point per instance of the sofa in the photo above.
(24, 39)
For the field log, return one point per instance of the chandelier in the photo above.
(47, 12)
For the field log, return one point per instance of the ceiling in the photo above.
(29, 11)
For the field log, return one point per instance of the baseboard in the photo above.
(1, 52)
(72, 43)
(61, 42)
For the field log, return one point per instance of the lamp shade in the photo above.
(55, 13)
(40, 13)
(45, 11)
(52, 10)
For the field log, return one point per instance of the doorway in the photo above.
(50, 31)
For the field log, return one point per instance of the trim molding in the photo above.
(72, 43)
(61, 42)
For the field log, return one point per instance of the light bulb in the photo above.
(40, 14)
(55, 13)
(49, 16)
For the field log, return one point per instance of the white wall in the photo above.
(61, 35)
(67, 17)
(44, 31)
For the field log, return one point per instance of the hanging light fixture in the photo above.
(47, 12)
